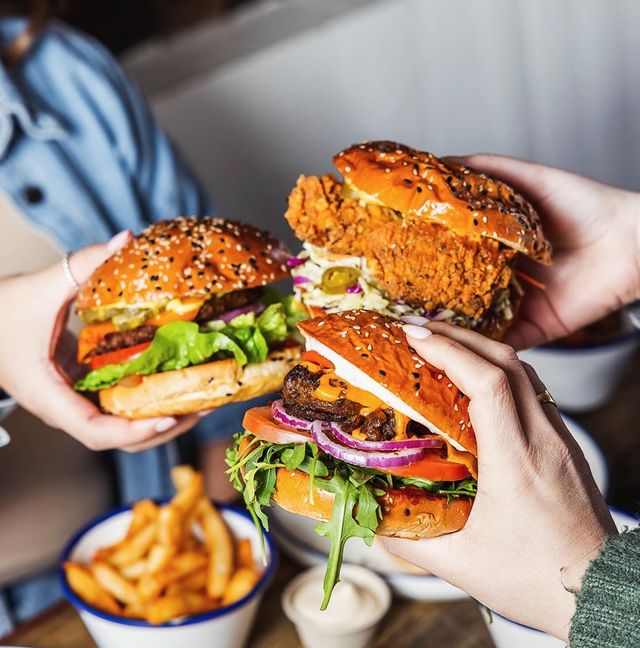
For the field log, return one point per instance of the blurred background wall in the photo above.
(257, 92)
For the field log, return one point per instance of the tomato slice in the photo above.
(316, 358)
(90, 336)
(259, 422)
(431, 466)
(118, 356)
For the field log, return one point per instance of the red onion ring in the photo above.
(250, 308)
(279, 414)
(361, 457)
(300, 280)
(294, 262)
(354, 289)
(384, 446)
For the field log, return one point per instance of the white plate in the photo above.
(296, 536)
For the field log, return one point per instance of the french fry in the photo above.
(220, 546)
(134, 611)
(166, 608)
(169, 526)
(185, 564)
(114, 583)
(85, 586)
(240, 584)
(159, 557)
(177, 605)
(144, 511)
(133, 571)
(190, 487)
(150, 586)
(132, 549)
(244, 554)
(192, 583)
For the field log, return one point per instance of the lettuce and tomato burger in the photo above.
(183, 319)
(367, 438)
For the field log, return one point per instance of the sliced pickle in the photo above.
(337, 279)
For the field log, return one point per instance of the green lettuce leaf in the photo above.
(175, 346)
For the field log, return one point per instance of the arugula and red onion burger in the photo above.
(408, 233)
(183, 319)
(367, 437)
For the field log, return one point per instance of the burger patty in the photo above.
(123, 339)
(220, 304)
(299, 400)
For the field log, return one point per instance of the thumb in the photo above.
(83, 262)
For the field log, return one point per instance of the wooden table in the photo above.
(410, 624)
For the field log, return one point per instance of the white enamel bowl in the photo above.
(226, 627)
(583, 378)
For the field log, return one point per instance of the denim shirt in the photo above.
(83, 158)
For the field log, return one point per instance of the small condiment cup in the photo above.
(358, 604)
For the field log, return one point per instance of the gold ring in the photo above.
(545, 397)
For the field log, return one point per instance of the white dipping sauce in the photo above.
(350, 604)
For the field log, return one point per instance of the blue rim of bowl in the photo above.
(613, 509)
(79, 604)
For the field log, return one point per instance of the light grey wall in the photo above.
(556, 81)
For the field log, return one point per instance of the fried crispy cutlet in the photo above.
(320, 214)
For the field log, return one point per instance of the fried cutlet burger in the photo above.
(367, 438)
(407, 233)
(183, 319)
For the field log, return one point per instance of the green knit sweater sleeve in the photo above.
(608, 604)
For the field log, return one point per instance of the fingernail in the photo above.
(165, 424)
(118, 240)
(416, 332)
(415, 319)
(205, 413)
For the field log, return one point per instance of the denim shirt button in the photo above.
(33, 195)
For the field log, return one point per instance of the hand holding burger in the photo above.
(35, 354)
(595, 232)
(538, 518)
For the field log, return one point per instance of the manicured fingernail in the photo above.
(416, 332)
(118, 241)
(205, 413)
(415, 319)
(165, 424)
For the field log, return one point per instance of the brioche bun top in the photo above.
(467, 201)
(370, 350)
(185, 258)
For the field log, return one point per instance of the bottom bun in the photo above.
(202, 387)
(408, 513)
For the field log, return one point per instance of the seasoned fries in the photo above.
(175, 560)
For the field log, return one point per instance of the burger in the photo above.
(408, 233)
(367, 438)
(183, 319)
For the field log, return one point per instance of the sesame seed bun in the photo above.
(185, 258)
(202, 387)
(410, 513)
(416, 183)
(370, 350)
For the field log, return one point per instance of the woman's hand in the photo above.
(35, 348)
(595, 233)
(538, 518)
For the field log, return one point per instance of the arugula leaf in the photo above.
(293, 457)
(342, 526)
